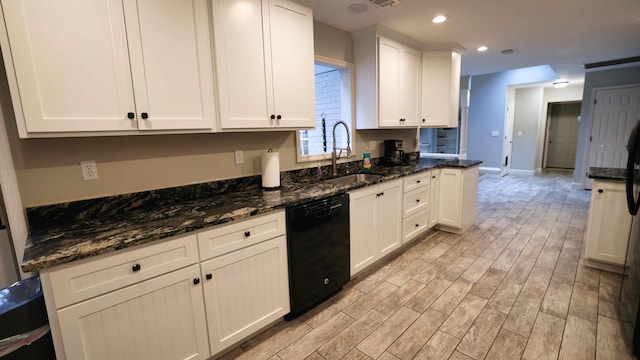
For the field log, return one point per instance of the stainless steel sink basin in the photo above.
(353, 178)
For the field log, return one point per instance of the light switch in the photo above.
(495, 133)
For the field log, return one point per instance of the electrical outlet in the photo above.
(239, 157)
(89, 170)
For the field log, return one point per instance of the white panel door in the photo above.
(450, 198)
(241, 29)
(389, 217)
(161, 318)
(388, 83)
(613, 117)
(409, 89)
(363, 231)
(171, 63)
(71, 64)
(292, 62)
(245, 290)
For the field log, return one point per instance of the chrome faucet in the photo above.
(335, 157)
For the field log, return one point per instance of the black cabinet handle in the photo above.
(433, 177)
(135, 267)
(279, 117)
(417, 200)
(417, 225)
(423, 120)
(273, 116)
(196, 281)
(247, 233)
(145, 115)
(209, 276)
(418, 181)
(600, 191)
(379, 194)
(131, 115)
(382, 194)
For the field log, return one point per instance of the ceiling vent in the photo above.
(385, 3)
(509, 51)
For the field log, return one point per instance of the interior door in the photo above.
(614, 114)
(507, 145)
(562, 138)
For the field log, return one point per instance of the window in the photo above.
(333, 103)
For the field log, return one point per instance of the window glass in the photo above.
(333, 103)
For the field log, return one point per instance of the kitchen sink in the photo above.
(353, 178)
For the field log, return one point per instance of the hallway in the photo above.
(511, 287)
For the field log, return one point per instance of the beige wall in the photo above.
(48, 170)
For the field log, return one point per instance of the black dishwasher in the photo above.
(317, 250)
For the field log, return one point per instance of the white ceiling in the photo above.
(564, 34)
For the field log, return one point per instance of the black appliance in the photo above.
(393, 154)
(318, 251)
(630, 291)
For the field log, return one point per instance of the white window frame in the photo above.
(348, 112)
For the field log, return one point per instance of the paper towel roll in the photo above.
(270, 170)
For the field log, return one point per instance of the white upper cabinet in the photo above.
(440, 88)
(107, 66)
(387, 82)
(264, 63)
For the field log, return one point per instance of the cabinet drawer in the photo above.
(234, 236)
(415, 201)
(98, 275)
(416, 181)
(415, 225)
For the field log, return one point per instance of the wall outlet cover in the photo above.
(89, 170)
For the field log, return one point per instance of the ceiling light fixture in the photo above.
(358, 8)
(439, 19)
(482, 48)
(560, 84)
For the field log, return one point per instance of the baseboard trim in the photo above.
(522, 172)
(490, 169)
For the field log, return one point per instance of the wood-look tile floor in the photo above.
(512, 287)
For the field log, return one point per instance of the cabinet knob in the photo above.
(424, 120)
(382, 193)
(279, 117)
(418, 181)
(131, 115)
(433, 176)
(209, 276)
(600, 191)
(417, 200)
(144, 115)
(273, 116)
(379, 194)
(417, 225)
(135, 267)
(196, 281)
(326, 281)
(247, 233)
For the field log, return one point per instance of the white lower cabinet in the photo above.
(244, 291)
(149, 301)
(415, 206)
(458, 198)
(434, 197)
(161, 318)
(608, 225)
(375, 221)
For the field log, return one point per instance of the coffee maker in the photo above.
(393, 154)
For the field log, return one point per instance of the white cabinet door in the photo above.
(244, 291)
(389, 217)
(609, 223)
(375, 215)
(398, 69)
(388, 83)
(434, 197)
(292, 56)
(71, 65)
(450, 198)
(409, 86)
(363, 229)
(264, 64)
(440, 88)
(171, 63)
(161, 318)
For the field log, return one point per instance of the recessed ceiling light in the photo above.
(482, 48)
(358, 8)
(560, 84)
(439, 19)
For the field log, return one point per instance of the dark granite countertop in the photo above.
(600, 173)
(67, 232)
